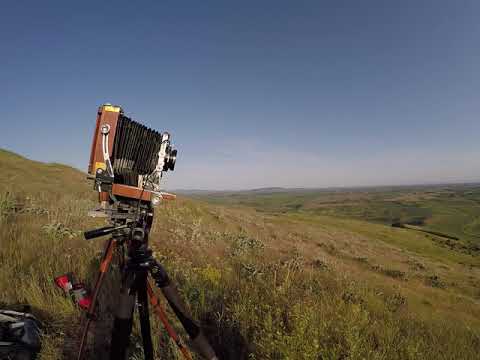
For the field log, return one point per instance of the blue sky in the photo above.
(255, 93)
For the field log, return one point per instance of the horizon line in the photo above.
(308, 188)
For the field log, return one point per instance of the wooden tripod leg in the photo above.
(160, 311)
(104, 265)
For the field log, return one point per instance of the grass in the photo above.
(449, 209)
(264, 285)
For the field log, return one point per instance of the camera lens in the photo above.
(173, 159)
(170, 159)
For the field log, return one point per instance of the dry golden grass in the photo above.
(263, 286)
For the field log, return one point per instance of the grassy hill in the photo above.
(278, 280)
(450, 209)
(19, 175)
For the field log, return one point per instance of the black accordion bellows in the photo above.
(135, 151)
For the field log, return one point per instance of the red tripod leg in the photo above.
(157, 306)
(104, 265)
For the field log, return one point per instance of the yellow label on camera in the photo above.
(100, 165)
(111, 108)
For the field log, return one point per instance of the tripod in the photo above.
(129, 232)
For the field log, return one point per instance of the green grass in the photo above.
(284, 283)
(450, 209)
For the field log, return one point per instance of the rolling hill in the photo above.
(284, 278)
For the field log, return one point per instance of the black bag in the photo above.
(19, 335)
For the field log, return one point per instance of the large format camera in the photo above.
(127, 158)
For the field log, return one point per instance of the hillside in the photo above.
(21, 175)
(265, 284)
(451, 209)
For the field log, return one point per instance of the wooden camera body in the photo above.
(127, 159)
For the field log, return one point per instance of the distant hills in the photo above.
(272, 190)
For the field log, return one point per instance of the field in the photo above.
(270, 274)
(452, 210)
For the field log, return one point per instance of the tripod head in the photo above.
(129, 220)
